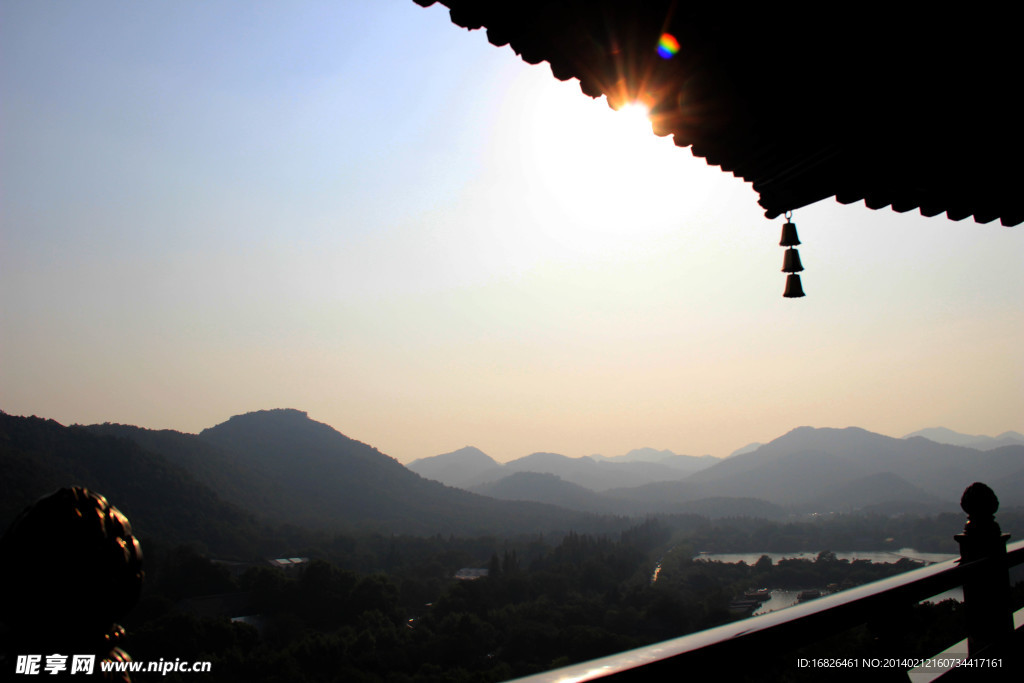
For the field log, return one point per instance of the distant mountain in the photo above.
(749, 448)
(596, 476)
(683, 463)
(881, 488)
(461, 468)
(469, 468)
(687, 497)
(718, 507)
(806, 469)
(545, 488)
(802, 466)
(656, 498)
(981, 443)
(638, 455)
(690, 463)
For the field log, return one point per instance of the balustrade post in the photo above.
(987, 590)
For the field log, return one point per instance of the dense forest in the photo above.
(387, 608)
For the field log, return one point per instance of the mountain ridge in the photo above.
(980, 442)
(280, 465)
(794, 470)
(288, 470)
(597, 473)
(939, 470)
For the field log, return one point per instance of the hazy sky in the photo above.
(360, 210)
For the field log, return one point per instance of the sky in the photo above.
(363, 211)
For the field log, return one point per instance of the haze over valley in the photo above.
(281, 466)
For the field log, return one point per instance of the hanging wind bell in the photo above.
(791, 260)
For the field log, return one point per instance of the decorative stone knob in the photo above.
(979, 500)
(73, 567)
(980, 504)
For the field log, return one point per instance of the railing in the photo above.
(983, 571)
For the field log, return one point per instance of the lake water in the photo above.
(787, 598)
(882, 556)
(782, 599)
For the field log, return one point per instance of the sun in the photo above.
(636, 118)
(597, 179)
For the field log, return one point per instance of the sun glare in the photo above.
(636, 117)
(599, 180)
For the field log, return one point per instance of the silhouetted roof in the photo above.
(912, 109)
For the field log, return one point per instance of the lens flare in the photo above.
(668, 46)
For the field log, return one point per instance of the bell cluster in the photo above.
(791, 261)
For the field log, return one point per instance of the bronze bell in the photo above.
(791, 261)
(793, 288)
(789, 237)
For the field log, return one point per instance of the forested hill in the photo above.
(321, 474)
(267, 468)
(162, 500)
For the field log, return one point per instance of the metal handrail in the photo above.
(790, 628)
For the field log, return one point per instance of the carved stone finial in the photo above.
(74, 568)
(980, 504)
(979, 501)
